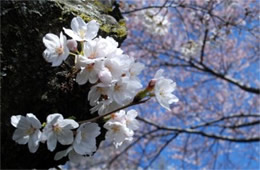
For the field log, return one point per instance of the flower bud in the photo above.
(105, 76)
(151, 85)
(72, 45)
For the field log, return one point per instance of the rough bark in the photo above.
(29, 84)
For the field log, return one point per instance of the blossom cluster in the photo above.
(57, 129)
(190, 48)
(114, 81)
(155, 23)
(121, 126)
(81, 139)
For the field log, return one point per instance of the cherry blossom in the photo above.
(87, 73)
(121, 127)
(131, 121)
(128, 118)
(56, 48)
(163, 89)
(92, 63)
(123, 91)
(163, 92)
(72, 45)
(82, 31)
(85, 140)
(72, 155)
(155, 23)
(28, 131)
(117, 132)
(114, 81)
(58, 129)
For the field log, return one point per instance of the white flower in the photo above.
(92, 62)
(58, 129)
(163, 90)
(190, 48)
(159, 74)
(105, 76)
(121, 126)
(85, 140)
(114, 69)
(155, 23)
(28, 131)
(124, 90)
(72, 45)
(97, 50)
(73, 156)
(56, 49)
(131, 121)
(104, 106)
(135, 69)
(84, 143)
(129, 118)
(95, 93)
(118, 132)
(87, 73)
(82, 31)
(162, 26)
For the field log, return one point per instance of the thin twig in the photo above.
(201, 133)
(107, 114)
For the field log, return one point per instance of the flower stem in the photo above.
(73, 53)
(107, 114)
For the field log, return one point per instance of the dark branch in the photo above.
(202, 67)
(225, 118)
(201, 133)
(129, 146)
(203, 45)
(161, 149)
(152, 7)
(257, 122)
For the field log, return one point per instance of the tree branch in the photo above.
(204, 68)
(228, 79)
(203, 45)
(201, 133)
(161, 149)
(257, 122)
(129, 146)
(225, 118)
(109, 113)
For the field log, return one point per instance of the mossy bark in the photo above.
(29, 84)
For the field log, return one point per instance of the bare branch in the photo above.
(129, 146)
(225, 118)
(192, 131)
(204, 68)
(161, 149)
(203, 45)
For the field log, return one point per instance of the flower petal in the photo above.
(51, 142)
(82, 77)
(15, 120)
(68, 124)
(33, 144)
(77, 23)
(62, 154)
(74, 157)
(33, 120)
(20, 122)
(51, 40)
(65, 137)
(20, 136)
(92, 29)
(159, 74)
(53, 118)
(72, 34)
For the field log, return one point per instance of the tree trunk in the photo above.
(30, 84)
